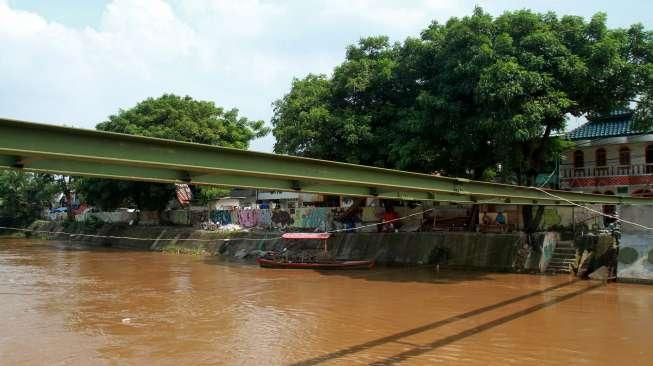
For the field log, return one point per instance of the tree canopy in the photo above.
(23, 196)
(170, 117)
(478, 96)
(185, 119)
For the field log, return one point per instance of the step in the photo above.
(561, 246)
(562, 259)
(566, 250)
(566, 255)
(560, 263)
(558, 271)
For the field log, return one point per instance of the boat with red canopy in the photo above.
(281, 261)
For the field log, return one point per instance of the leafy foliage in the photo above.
(478, 96)
(170, 117)
(24, 196)
(111, 194)
(185, 119)
(206, 194)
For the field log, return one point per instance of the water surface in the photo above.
(69, 306)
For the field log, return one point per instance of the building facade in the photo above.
(610, 157)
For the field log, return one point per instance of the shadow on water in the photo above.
(420, 349)
(405, 274)
(422, 274)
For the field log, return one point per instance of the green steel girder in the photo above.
(112, 171)
(65, 150)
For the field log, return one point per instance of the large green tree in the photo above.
(169, 117)
(24, 196)
(477, 96)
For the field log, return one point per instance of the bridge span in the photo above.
(80, 152)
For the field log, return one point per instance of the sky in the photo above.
(74, 63)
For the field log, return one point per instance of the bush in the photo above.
(93, 222)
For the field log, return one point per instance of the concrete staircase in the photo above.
(563, 256)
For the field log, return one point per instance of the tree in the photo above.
(170, 117)
(345, 117)
(469, 96)
(24, 196)
(479, 97)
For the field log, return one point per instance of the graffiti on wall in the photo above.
(635, 260)
(636, 257)
(548, 247)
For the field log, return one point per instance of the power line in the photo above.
(593, 210)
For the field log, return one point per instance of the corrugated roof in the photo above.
(616, 123)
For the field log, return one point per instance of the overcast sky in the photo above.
(75, 62)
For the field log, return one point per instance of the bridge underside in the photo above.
(77, 152)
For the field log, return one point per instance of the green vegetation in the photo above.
(205, 194)
(170, 117)
(91, 225)
(24, 196)
(650, 256)
(176, 249)
(185, 119)
(478, 96)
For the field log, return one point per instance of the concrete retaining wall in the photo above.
(470, 250)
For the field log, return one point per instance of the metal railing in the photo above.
(607, 171)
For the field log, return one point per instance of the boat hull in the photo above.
(268, 263)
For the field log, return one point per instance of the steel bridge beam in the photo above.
(64, 150)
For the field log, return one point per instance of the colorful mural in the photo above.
(636, 245)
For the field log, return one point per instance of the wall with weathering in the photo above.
(636, 246)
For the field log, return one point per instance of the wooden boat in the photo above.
(271, 263)
(280, 262)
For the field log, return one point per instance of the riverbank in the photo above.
(495, 252)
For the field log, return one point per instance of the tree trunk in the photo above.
(531, 223)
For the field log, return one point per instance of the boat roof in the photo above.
(306, 235)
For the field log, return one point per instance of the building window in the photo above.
(624, 156)
(601, 159)
(649, 154)
(579, 159)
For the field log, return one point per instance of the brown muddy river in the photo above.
(63, 306)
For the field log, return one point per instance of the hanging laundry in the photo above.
(222, 217)
(315, 217)
(311, 217)
(247, 218)
(234, 216)
(264, 218)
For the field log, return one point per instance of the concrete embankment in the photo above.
(458, 249)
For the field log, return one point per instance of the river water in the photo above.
(67, 306)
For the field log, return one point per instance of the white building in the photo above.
(609, 158)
